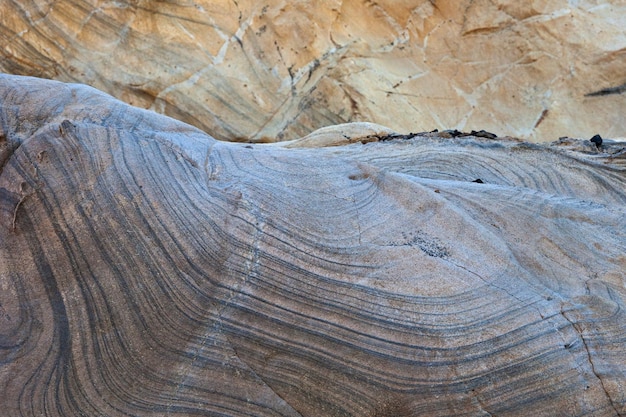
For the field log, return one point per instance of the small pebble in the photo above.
(597, 139)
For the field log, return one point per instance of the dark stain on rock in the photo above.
(597, 139)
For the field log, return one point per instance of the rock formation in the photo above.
(277, 70)
(147, 269)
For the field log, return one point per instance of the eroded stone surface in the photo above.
(147, 269)
(277, 70)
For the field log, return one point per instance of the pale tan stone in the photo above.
(277, 70)
(343, 134)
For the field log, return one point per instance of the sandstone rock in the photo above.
(277, 70)
(147, 269)
(343, 134)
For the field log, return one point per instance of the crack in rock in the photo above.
(576, 326)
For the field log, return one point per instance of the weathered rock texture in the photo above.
(277, 69)
(147, 269)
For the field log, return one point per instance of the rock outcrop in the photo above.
(147, 269)
(277, 70)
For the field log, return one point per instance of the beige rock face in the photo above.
(277, 70)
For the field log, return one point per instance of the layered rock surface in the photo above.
(147, 269)
(277, 70)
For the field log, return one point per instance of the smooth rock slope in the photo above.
(147, 269)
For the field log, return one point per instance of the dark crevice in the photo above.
(453, 133)
(579, 330)
(7, 148)
(608, 91)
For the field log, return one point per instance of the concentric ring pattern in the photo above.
(149, 270)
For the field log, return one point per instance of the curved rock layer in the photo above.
(277, 69)
(147, 269)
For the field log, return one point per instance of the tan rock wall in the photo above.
(276, 70)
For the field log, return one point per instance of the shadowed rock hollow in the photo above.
(147, 269)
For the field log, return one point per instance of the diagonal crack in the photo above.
(576, 326)
(216, 327)
(489, 283)
(252, 270)
(257, 375)
(607, 91)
